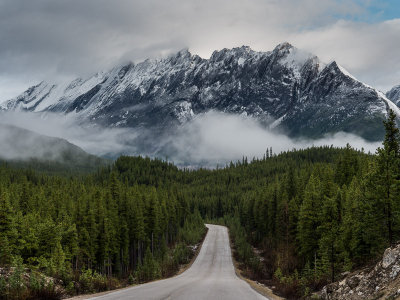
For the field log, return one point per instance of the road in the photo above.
(211, 276)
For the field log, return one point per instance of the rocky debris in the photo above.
(379, 282)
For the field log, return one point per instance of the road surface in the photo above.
(211, 276)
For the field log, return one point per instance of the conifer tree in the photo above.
(329, 231)
(386, 186)
(309, 218)
(8, 231)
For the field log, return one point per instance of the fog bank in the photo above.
(210, 139)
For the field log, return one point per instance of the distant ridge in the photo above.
(25, 148)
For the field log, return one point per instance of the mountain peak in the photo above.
(183, 53)
(243, 51)
(287, 84)
(335, 67)
(283, 47)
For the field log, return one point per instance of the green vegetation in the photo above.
(310, 214)
(91, 232)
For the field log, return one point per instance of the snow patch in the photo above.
(295, 60)
(277, 122)
(241, 61)
(347, 73)
(391, 105)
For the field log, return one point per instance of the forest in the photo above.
(297, 219)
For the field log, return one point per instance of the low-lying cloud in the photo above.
(217, 138)
(208, 140)
(93, 139)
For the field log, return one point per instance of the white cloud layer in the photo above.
(217, 138)
(210, 139)
(46, 39)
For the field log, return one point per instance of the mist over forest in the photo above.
(208, 140)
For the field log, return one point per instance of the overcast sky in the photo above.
(54, 40)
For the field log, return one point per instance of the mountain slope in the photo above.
(394, 95)
(25, 148)
(286, 89)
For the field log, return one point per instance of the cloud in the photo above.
(47, 40)
(210, 139)
(217, 138)
(368, 50)
(92, 139)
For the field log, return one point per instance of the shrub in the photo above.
(149, 270)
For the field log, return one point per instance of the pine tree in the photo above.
(309, 218)
(329, 231)
(8, 231)
(386, 188)
(5, 251)
(392, 134)
(58, 259)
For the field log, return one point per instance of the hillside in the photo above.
(394, 95)
(24, 148)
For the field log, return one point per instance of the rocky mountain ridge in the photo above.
(394, 95)
(286, 89)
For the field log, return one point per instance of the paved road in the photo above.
(212, 276)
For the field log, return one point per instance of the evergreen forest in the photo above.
(297, 219)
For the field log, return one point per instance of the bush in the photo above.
(131, 279)
(193, 229)
(149, 270)
(3, 287)
(16, 283)
(90, 282)
(47, 291)
(182, 254)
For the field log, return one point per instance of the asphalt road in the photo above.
(211, 276)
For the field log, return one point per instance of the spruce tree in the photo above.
(309, 218)
(386, 188)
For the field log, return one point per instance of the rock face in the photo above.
(380, 282)
(287, 88)
(394, 95)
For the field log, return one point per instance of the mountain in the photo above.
(286, 89)
(25, 148)
(394, 95)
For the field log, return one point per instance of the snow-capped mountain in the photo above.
(286, 89)
(394, 95)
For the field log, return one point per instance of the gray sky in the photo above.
(52, 40)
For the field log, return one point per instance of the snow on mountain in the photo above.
(288, 89)
(390, 104)
(394, 95)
